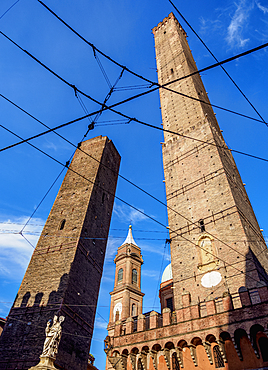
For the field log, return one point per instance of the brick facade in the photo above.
(218, 255)
(65, 269)
(192, 334)
(202, 183)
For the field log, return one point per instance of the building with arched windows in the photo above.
(214, 296)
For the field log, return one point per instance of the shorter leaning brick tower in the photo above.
(216, 285)
(65, 271)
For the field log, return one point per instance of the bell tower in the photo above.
(126, 298)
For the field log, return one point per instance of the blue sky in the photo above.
(121, 29)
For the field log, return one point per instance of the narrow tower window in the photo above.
(117, 315)
(169, 302)
(201, 225)
(134, 276)
(134, 310)
(62, 224)
(218, 360)
(120, 275)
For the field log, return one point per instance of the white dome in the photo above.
(167, 274)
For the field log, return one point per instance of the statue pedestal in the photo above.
(46, 363)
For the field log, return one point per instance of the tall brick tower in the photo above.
(218, 274)
(65, 270)
(216, 239)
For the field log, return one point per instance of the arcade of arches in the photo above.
(237, 353)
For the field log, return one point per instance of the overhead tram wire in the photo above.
(102, 69)
(147, 80)
(134, 184)
(92, 45)
(116, 197)
(122, 237)
(213, 55)
(130, 119)
(111, 108)
(77, 173)
(41, 201)
(111, 229)
(128, 204)
(124, 178)
(147, 193)
(86, 180)
(190, 277)
(90, 127)
(38, 233)
(116, 103)
(181, 280)
(97, 116)
(131, 98)
(9, 9)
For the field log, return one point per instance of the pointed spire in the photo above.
(129, 239)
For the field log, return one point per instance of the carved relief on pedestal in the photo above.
(208, 256)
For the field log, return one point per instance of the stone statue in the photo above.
(208, 259)
(53, 335)
(207, 251)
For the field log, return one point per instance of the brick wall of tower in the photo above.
(202, 181)
(65, 270)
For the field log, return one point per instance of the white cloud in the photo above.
(261, 7)
(100, 323)
(15, 251)
(112, 245)
(152, 249)
(109, 279)
(235, 29)
(150, 274)
(50, 145)
(128, 214)
(209, 25)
